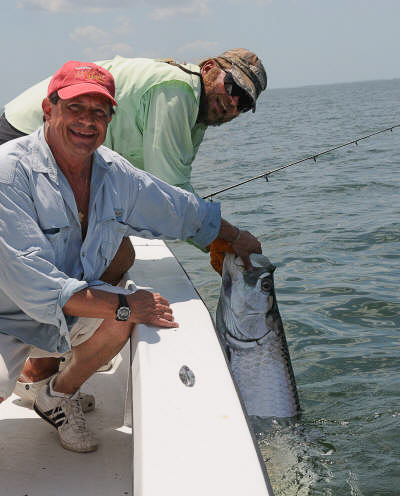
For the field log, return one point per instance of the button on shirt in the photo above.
(44, 260)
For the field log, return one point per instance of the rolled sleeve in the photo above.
(210, 223)
(70, 287)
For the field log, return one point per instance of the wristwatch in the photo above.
(123, 311)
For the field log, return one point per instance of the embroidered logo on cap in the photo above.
(86, 72)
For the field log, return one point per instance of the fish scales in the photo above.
(252, 332)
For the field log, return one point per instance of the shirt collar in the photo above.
(43, 160)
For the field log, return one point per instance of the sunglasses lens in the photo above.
(245, 102)
(228, 88)
(228, 79)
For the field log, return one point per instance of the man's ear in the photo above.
(207, 66)
(47, 107)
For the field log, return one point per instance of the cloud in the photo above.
(99, 43)
(165, 9)
(257, 2)
(108, 51)
(200, 46)
(122, 25)
(198, 8)
(199, 50)
(72, 5)
(89, 34)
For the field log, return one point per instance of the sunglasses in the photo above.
(245, 102)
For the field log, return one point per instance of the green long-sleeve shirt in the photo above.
(154, 126)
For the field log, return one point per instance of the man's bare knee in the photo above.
(110, 335)
(121, 263)
(120, 333)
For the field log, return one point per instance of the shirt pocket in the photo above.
(52, 216)
(112, 233)
(58, 239)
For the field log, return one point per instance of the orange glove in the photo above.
(218, 248)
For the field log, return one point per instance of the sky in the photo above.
(301, 42)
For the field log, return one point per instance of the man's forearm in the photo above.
(92, 303)
(147, 308)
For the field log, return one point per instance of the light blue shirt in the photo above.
(43, 258)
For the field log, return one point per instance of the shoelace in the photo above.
(74, 414)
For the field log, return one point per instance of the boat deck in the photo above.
(33, 463)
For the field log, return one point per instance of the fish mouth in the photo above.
(247, 340)
(242, 328)
(255, 313)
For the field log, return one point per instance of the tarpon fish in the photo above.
(251, 329)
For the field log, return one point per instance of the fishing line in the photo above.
(291, 164)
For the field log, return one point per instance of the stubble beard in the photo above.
(207, 87)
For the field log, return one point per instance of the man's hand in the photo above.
(151, 309)
(245, 244)
(242, 242)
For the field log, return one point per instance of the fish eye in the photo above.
(266, 284)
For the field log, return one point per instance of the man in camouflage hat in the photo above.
(241, 75)
(163, 111)
(164, 108)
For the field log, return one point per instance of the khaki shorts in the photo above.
(14, 353)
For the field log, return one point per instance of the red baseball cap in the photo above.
(80, 78)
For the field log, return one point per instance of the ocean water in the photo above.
(333, 230)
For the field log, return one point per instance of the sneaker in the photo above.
(28, 391)
(65, 414)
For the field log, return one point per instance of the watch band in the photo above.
(123, 302)
(123, 311)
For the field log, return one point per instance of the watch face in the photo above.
(123, 313)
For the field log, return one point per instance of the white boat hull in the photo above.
(188, 440)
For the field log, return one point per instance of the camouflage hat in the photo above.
(247, 71)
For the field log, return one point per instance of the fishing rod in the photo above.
(291, 164)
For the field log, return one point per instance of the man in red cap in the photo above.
(66, 203)
(164, 110)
